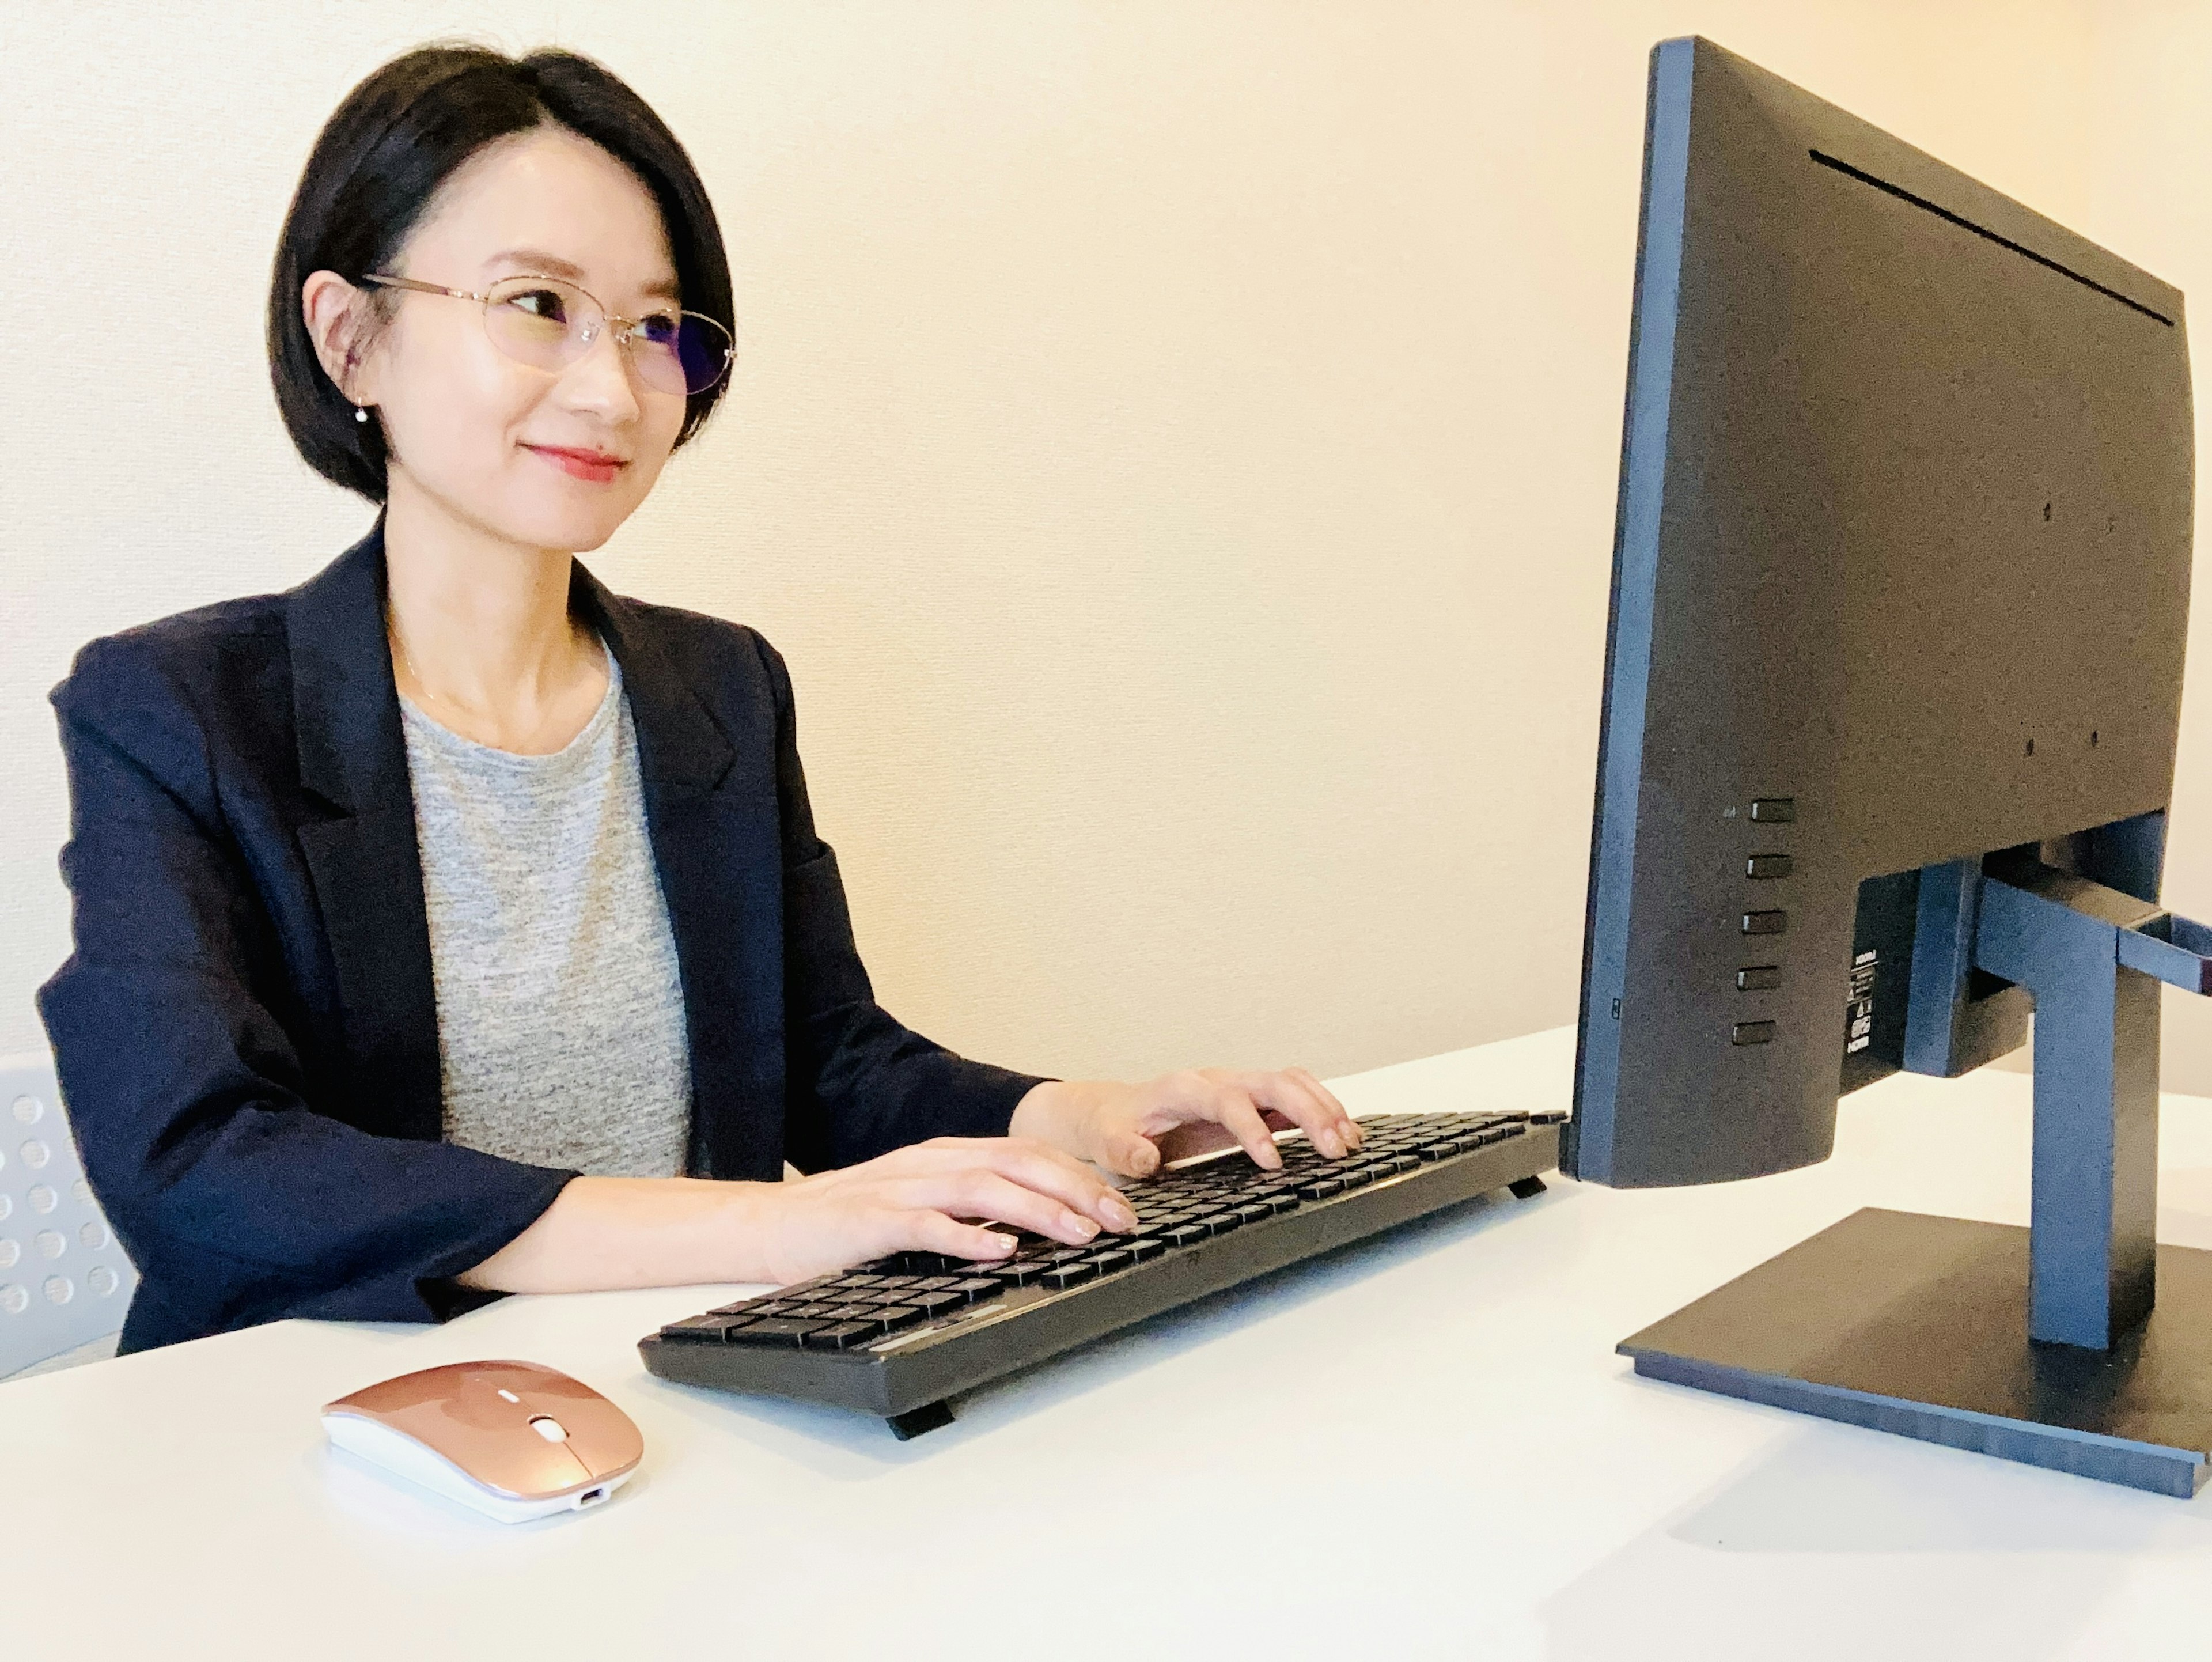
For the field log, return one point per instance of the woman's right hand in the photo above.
(934, 1196)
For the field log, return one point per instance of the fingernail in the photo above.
(1353, 1133)
(1085, 1229)
(1118, 1213)
(1001, 1244)
(1330, 1144)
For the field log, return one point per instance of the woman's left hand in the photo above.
(1118, 1125)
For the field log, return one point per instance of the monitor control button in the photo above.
(1774, 810)
(1767, 865)
(1758, 977)
(1765, 922)
(1750, 1032)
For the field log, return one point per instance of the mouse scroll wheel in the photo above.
(549, 1428)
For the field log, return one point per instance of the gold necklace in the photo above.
(392, 631)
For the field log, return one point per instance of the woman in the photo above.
(449, 926)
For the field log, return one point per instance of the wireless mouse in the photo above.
(515, 1440)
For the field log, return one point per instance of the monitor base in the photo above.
(1917, 1325)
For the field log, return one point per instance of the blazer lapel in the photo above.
(710, 810)
(711, 814)
(364, 860)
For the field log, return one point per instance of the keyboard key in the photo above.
(977, 1287)
(775, 1330)
(860, 1281)
(896, 1281)
(1184, 1234)
(895, 1316)
(713, 1327)
(1220, 1223)
(1255, 1212)
(1112, 1259)
(1320, 1189)
(937, 1283)
(1354, 1177)
(1145, 1247)
(842, 1336)
(936, 1304)
(1286, 1201)
(926, 1263)
(1069, 1275)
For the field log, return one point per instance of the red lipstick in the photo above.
(596, 465)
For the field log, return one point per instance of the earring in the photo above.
(360, 414)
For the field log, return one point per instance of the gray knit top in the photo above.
(561, 1028)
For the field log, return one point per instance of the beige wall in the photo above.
(1173, 444)
(2150, 197)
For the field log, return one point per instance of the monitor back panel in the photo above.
(1900, 576)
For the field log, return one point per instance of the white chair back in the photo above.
(63, 1280)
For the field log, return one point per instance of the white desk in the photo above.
(1424, 1448)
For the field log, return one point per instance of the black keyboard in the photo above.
(899, 1336)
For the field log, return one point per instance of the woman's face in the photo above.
(505, 446)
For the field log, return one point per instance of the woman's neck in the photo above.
(481, 638)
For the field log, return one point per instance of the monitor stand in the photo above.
(2077, 1343)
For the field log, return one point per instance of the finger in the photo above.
(1237, 1113)
(1328, 1096)
(1025, 1161)
(980, 1192)
(1132, 1154)
(1038, 1165)
(985, 1193)
(936, 1232)
(1326, 1105)
(1290, 1096)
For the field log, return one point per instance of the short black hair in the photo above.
(380, 158)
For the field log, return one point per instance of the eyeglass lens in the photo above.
(548, 324)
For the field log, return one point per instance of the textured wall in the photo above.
(1173, 444)
(2150, 198)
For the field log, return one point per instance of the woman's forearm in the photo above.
(602, 1234)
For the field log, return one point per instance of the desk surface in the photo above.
(1424, 1447)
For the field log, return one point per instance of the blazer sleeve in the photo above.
(236, 1200)
(860, 1083)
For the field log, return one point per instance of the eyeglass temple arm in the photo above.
(390, 281)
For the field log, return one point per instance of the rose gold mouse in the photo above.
(513, 1440)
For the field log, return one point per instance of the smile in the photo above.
(596, 465)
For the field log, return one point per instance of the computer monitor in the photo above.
(1893, 680)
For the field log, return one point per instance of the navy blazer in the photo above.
(247, 1033)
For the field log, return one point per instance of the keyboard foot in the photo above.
(915, 1421)
(1525, 1188)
